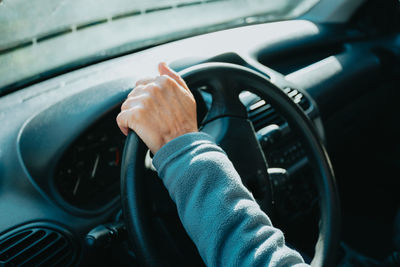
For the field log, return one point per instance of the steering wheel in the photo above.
(227, 122)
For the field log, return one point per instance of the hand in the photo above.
(159, 109)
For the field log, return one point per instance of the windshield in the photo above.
(44, 37)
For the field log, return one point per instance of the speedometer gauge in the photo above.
(88, 173)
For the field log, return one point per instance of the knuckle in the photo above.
(144, 81)
(155, 89)
(126, 103)
(139, 82)
(145, 102)
(123, 106)
(121, 120)
(138, 88)
(130, 116)
(135, 90)
(138, 113)
(165, 80)
(130, 99)
(118, 119)
(148, 87)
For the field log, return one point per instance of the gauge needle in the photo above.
(96, 163)
(76, 186)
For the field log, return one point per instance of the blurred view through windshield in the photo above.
(46, 35)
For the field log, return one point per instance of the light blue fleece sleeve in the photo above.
(218, 212)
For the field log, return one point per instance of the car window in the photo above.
(43, 37)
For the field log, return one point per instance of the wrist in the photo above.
(165, 139)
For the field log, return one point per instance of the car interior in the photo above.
(319, 91)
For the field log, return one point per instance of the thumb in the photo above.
(163, 69)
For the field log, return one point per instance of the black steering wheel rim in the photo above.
(137, 217)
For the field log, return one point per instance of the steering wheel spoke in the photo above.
(225, 94)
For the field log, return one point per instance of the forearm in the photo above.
(218, 212)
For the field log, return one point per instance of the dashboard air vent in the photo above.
(262, 114)
(36, 246)
(298, 98)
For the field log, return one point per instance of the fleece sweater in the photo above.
(218, 212)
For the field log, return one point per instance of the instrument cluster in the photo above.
(88, 174)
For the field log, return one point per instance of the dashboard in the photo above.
(61, 151)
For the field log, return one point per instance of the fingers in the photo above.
(150, 90)
(142, 87)
(127, 118)
(140, 83)
(133, 101)
(145, 81)
(143, 97)
(163, 69)
(123, 121)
